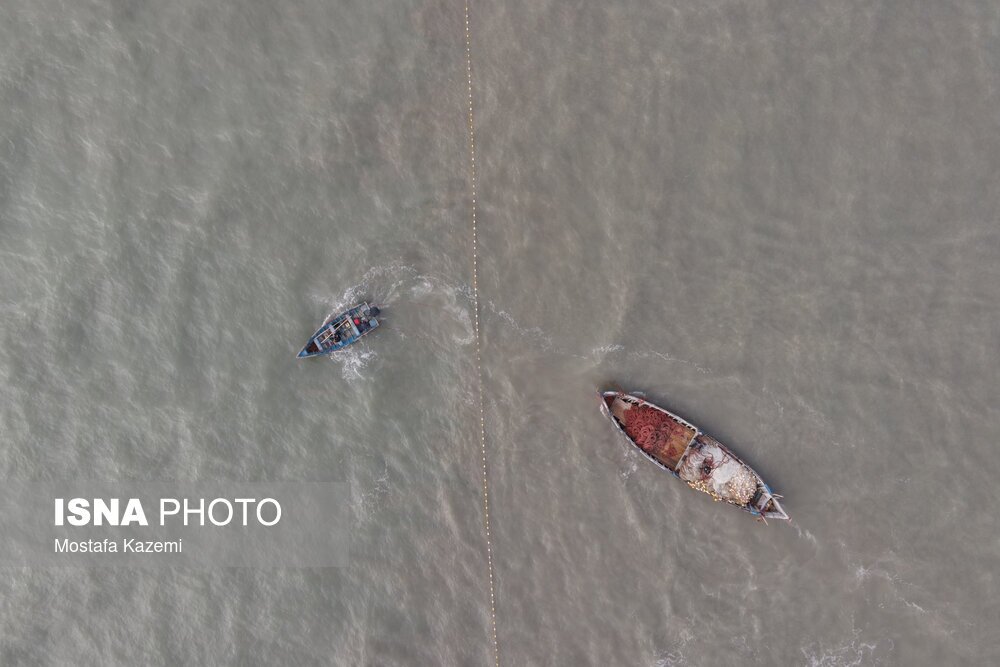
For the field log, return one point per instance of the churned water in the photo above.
(779, 220)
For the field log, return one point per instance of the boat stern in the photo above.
(766, 505)
(776, 511)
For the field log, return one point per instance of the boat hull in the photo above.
(341, 330)
(683, 450)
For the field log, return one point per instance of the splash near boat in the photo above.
(686, 452)
(342, 330)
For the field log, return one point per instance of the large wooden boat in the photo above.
(687, 453)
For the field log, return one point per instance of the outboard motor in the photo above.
(374, 311)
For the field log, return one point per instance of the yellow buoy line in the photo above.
(479, 361)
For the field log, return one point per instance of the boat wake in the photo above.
(353, 361)
(535, 334)
(630, 465)
(366, 501)
(671, 659)
(407, 296)
(380, 285)
(853, 651)
(615, 348)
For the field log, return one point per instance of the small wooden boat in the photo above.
(685, 452)
(342, 330)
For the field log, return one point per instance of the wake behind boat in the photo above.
(342, 330)
(685, 452)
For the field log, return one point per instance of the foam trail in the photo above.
(353, 361)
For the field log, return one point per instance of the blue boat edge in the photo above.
(342, 330)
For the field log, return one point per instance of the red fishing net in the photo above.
(657, 434)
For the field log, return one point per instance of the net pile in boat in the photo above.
(709, 467)
(657, 434)
(741, 487)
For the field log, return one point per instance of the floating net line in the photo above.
(478, 335)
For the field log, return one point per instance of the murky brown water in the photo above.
(779, 221)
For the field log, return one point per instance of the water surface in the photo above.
(780, 222)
